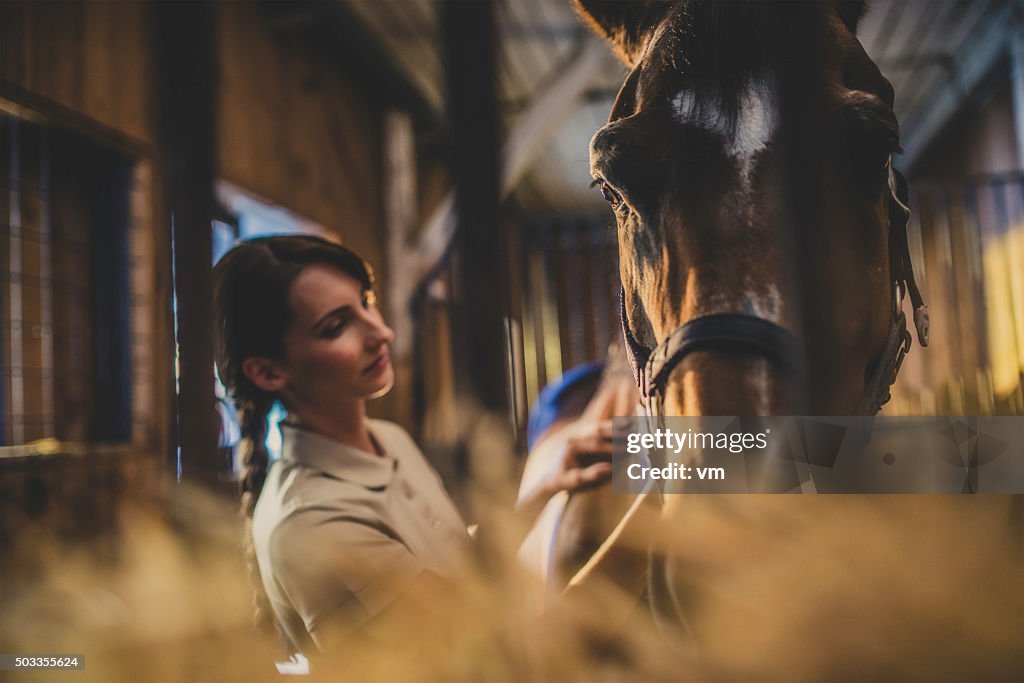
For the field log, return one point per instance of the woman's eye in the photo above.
(610, 195)
(333, 329)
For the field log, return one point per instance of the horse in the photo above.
(775, 152)
(764, 265)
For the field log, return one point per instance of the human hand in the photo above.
(586, 458)
(584, 461)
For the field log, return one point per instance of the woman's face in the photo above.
(336, 347)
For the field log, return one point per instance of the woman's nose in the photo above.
(380, 333)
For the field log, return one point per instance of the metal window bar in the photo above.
(569, 295)
(66, 256)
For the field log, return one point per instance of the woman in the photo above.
(352, 514)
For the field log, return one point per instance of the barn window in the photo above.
(73, 366)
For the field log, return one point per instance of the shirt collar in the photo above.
(336, 459)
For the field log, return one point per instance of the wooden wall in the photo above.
(295, 131)
(292, 129)
(87, 67)
(92, 58)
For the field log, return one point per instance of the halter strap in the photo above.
(899, 254)
(636, 353)
(877, 389)
(733, 331)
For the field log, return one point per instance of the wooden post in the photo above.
(186, 70)
(532, 130)
(481, 296)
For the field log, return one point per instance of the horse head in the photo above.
(747, 159)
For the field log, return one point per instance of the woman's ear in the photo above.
(266, 374)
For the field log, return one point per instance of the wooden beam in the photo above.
(548, 111)
(531, 131)
(481, 299)
(975, 62)
(1017, 78)
(337, 30)
(399, 220)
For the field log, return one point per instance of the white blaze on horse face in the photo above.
(755, 124)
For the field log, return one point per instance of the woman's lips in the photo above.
(379, 364)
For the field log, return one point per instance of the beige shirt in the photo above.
(340, 533)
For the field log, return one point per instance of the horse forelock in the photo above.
(725, 42)
(715, 52)
(714, 64)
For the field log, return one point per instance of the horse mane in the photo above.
(714, 49)
(628, 24)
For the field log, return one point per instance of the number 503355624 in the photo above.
(9, 662)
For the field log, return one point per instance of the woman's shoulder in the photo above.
(294, 494)
(387, 426)
(310, 520)
(398, 444)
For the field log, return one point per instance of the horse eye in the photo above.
(610, 195)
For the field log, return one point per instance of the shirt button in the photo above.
(436, 523)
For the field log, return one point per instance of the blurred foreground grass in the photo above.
(783, 588)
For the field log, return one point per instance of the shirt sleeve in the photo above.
(338, 572)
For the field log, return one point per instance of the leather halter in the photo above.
(742, 333)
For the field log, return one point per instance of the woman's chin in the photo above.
(387, 382)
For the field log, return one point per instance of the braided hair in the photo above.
(250, 289)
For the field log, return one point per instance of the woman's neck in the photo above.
(346, 424)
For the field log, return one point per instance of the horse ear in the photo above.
(851, 12)
(626, 24)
